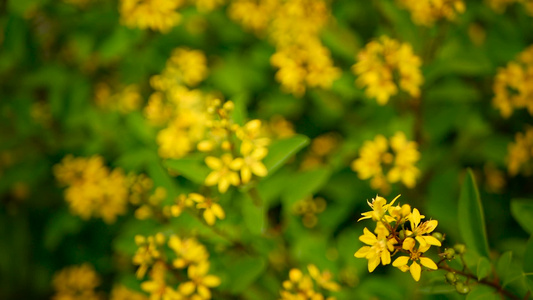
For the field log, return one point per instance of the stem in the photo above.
(493, 284)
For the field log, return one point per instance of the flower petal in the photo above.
(415, 270)
(401, 261)
(427, 262)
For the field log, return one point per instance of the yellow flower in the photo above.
(158, 15)
(188, 251)
(222, 173)
(93, 190)
(156, 287)
(378, 250)
(250, 163)
(120, 292)
(299, 284)
(181, 203)
(377, 65)
(323, 279)
(416, 255)
(383, 165)
(419, 229)
(76, 282)
(253, 15)
(379, 209)
(212, 210)
(427, 12)
(199, 281)
(148, 252)
(520, 152)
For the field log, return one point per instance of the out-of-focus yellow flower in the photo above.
(207, 5)
(386, 66)
(156, 286)
(222, 174)
(309, 208)
(160, 15)
(200, 281)
(180, 204)
(76, 283)
(184, 67)
(121, 292)
(383, 165)
(500, 5)
(147, 252)
(188, 251)
(322, 147)
(212, 210)
(513, 85)
(301, 287)
(494, 178)
(520, 152)
(279, 127)
(128, 99)
(253, 15)
(427, 12)
(92, 189)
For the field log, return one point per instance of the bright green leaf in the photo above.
(528, 264)
(244, 272)
(193, 169)
(281, 151)
(483, 268)
(471, 218)
(253, 215)
(522, 211)
(305, 184)
(503, 265)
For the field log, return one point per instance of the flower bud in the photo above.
(461, 288)
(460, 248)
(438, 236)
(450, 253)
(451, 278)
(402, 234)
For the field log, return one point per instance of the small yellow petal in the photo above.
(415, 270)
(213, 162)
(427, 262)
(401, 261)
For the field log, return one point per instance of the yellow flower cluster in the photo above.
(174, 105)
(398, 229)
(128, 99)
(386, 162)
(93, 190)
(227, 137)
(191, 257)
(121, 292)
(207, 5)
(293, 27)
(427, 12)
(321, 149)
(513, 85)
(76, 283)
(308, 208)
(301, 286)
(520, 153)
(160, 15)
(149, 206)
(386, 66)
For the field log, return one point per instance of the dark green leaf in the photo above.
(254, 216)
(503, 265)
(522, 211)
(244, 272)
(528, 264)
(193, 169)
(305, 184)
(482, 292)
(483, 268)
(471, 218)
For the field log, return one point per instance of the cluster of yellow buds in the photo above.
(126, 100)
(321, 149)
(513, 85)
(386, 66)
(520, 153)
(225, 138)
(160, 15)
(398, 230)
(293, 27)
(93, 190)
(308, 208)
(427, 12)
(385, 162)
(76, 283)
(302, 286)
(188, 256)
(151, 204)
(209, 208)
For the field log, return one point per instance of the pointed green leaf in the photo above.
(281, 151)
(503, 265)
(193, 169)
(253, 215)
(244, 272)
(305, 184)
(522, 211)
(483, 268)
(528, 263)
(471, 218)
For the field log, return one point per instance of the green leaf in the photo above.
(471, 218)
(503, 264)
(522, 211)
(305, 184)
(62, 224)
(193, 169)
(528, 264)
(281, 151)
(239, 114)
(483, 268)
(244, 272)
(482, 292)
(253, 215)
